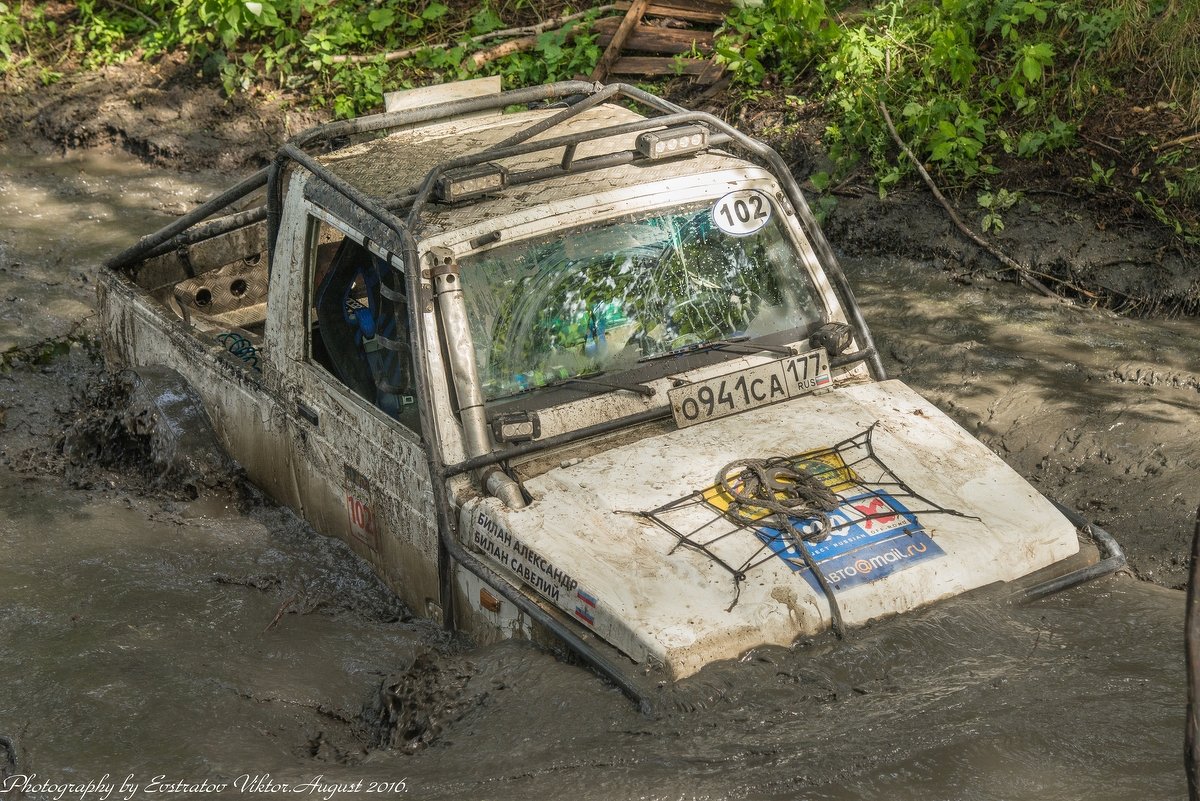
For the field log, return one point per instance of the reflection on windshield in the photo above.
(599, 298)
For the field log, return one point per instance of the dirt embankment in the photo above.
(165, 113)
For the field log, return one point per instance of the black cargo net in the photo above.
(758, 510)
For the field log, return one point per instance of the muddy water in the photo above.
(1099, 412)
(220, 640)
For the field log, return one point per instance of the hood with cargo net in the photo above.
(835, 509)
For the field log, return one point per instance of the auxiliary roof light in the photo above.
(466, 183)
(673, 141)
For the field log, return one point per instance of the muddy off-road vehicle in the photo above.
(573, 362)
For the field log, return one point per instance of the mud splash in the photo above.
(216, 638)
(148, 424)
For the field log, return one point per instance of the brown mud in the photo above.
(215, 636)
(166, 113)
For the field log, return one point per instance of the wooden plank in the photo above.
(705, 70)
(651, 39)
(711, 13)
(441, 93)
(611, 53)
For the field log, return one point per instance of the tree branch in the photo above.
(1004, 259)
(501, 50)
(1183, 140)
(527, 32)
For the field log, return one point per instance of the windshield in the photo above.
(602, 298)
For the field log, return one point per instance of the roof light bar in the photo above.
(470, 182)
(673, 141)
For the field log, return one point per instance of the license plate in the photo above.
(757, 386)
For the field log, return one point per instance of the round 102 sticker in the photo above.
(742, 212)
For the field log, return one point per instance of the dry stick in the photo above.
(279, 615)
(1183, 140)
(529, 30)
(394, 55)
(978, 240)
(501, 50)
(1191, 640)
(542, 27)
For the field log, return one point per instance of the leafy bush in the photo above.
(295, 45)
(969, 81)
(970, 78)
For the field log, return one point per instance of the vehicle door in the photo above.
(362, 465)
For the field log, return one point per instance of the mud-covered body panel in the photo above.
(612, 534)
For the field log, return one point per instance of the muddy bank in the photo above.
(167, 113)
(1069, 240)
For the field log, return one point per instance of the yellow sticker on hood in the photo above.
(824, 465)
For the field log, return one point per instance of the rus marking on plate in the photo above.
(746, 389)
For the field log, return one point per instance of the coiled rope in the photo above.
(774, 486)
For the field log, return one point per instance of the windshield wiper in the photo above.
(735, 344)
(593, 384)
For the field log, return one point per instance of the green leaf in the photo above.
(381, 19)
(485, 20)
(434, 11)
(1031, 69)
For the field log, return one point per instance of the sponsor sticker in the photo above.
(363, 527)
(873, 536)
(539, 574)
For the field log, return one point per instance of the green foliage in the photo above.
(786, 35)
(293, 45)
(971, 78)
(1101, 175)
(993, 203)
(967, 81)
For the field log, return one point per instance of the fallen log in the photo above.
(525, 32)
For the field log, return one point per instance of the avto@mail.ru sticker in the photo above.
(873, 536)
(742, 212)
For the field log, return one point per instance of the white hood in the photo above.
(633, 582)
